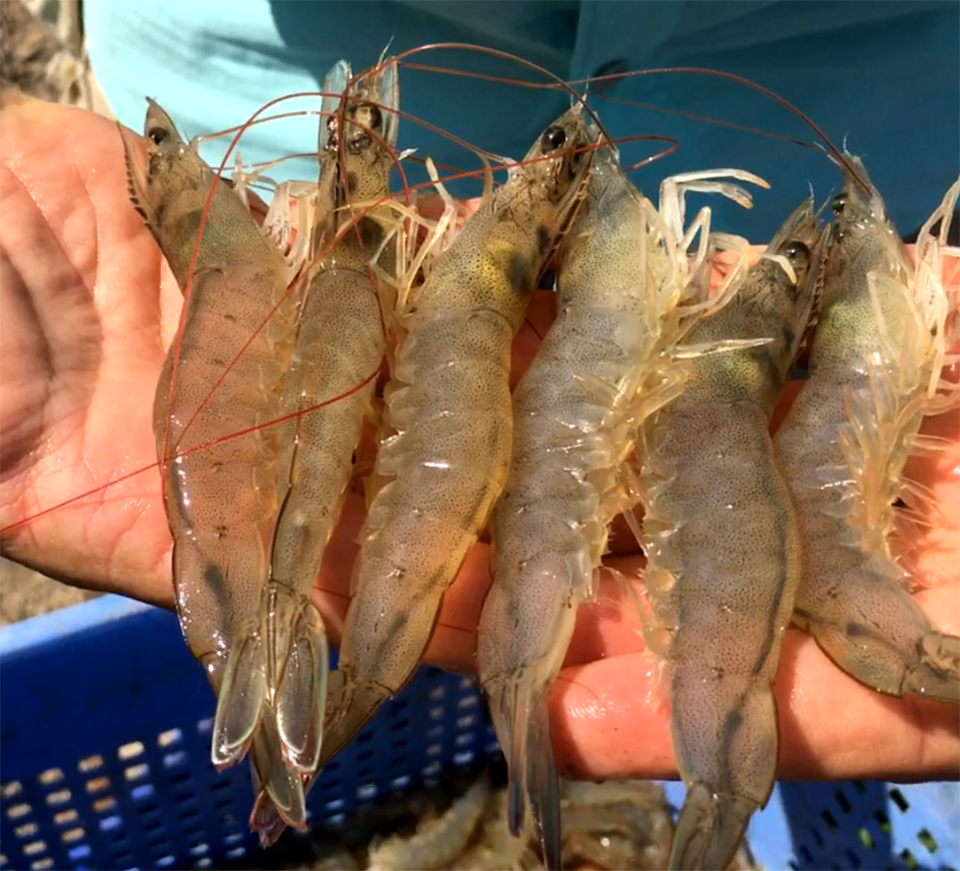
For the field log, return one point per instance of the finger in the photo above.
(608, 721)
(609, 626)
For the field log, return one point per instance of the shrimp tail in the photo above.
(710, 828)
(520, 709)
(240, 700)
(897, 652)
(280, 795)
(272, 702)
(283, 663)
(353, 705)
(300, 695)
(265, 820)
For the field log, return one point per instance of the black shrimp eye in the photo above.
(839, 203)
(553, 138)
(157, 135)
(796, 251)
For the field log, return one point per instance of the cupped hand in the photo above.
(88, 308)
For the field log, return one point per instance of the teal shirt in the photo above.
(882, 74)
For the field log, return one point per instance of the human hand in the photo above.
(88, 309)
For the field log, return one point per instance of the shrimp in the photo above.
(722, 545)
(339, 344)
(874, 368)
(497, 850)
(617, 824)
(439, 841)
(448, 406)
(619, 280)
(222, 501)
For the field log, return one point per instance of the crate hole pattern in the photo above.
(135, 788)
(156, 801)
(868, 825)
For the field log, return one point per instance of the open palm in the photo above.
(88, 308)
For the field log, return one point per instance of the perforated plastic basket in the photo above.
(104, 762)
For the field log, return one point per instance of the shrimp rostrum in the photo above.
(723, 546)
(621, 275)
(875, 368)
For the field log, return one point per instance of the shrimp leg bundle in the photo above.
(723, 547)
(619, 280)
(448, 411)
(874, 367)
(222, 501)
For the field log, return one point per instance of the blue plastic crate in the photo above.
(104, 762)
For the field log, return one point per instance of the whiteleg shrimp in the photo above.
(875, 366)
(448, 407)
(723, 549)
(222, 502)
(575, 411)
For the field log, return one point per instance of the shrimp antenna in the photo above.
(557, 81)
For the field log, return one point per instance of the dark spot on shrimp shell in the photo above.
(788, 334)
(543, 240)
(518, 272)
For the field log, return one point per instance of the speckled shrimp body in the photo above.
(874, 370)
(621, 276)
(448, 409)
(222, 500)
(723, 547)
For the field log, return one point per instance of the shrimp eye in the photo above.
(839, 203)
(359, 143)
(157, 135)
(553, 138)
(796, 251)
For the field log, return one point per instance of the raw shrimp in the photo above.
(437, 842)
(874, 369)
(497, 849)
(722, 546)
(222, 501)
(448, 408)
(339, 344)
(618, 824)
(619, 279)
